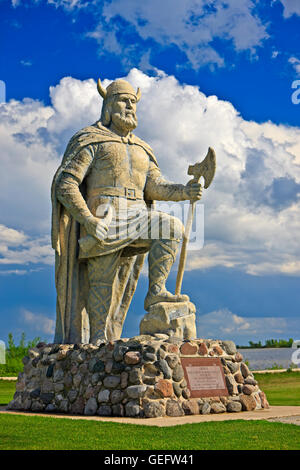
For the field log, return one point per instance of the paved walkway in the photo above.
(273, 371)
(287, 420)
(275, 413)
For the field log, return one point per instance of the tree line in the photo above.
(270, 343)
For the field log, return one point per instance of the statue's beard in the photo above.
(124, 122)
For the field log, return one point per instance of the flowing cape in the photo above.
(71, 279)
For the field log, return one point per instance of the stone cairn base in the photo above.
(137, 377)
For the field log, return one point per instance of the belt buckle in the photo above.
(130, 193)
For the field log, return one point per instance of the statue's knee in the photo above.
(172, 227)
(102, 269)
(178, 228)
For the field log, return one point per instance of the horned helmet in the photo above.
(117, 87)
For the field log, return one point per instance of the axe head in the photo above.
(206, 168)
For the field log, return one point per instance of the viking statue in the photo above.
(103, 223)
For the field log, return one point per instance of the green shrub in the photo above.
(291, 367)
(15, 354)
(276, 367)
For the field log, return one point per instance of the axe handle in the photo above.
(210, 160)
(185, 241)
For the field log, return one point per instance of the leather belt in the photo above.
(129, 193)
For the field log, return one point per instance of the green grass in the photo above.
(45, 433)
(282, 389)
(7, 390)
(14, 355)
(33, 432)
(5, 373)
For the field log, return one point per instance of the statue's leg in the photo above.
(161, 257)
(101, 274)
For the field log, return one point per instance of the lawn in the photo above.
(282, 389)
(45, 433)
(7, 390)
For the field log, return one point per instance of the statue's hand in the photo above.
(96, 227)
(193, 191)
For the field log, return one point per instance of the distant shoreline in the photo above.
(263, 347)
(269, 344)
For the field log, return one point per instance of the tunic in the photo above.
(120, 175)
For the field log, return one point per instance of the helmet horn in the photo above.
(101, 90)
(138, 95)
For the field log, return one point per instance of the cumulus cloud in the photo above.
(26, 63)
(252, 208)
(18, 272)
(38, 322)
(227, 325)
(134, 30)
(295, 63)
(191, 26)
(33, 138)
(18, 248)
(252, 214)
(291, 7)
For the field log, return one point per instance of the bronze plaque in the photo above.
(204, 376)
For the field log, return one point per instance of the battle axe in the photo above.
(206, 169)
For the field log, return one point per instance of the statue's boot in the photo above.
(161, 257)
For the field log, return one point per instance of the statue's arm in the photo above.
(69, 194)
(159, 189)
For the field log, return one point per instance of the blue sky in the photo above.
(221, 74)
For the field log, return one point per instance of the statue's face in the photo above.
(123, 112)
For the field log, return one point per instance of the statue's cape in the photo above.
(70, 274)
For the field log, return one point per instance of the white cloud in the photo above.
(291, 7)
(18, 272)
(68, 4)
(227, 325)
(33, 138)
(191, 25)
(295, 63)
(9, 236)
(275, 54)
(74, 102)
(252, 213)
(18, 248)
(38, 322)
(26, 63)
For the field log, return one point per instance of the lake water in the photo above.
(260, 359)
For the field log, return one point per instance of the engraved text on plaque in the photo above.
(204, 376)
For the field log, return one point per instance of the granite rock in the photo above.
(173, 408)
(153, 409)
(234, 407)
(91, 407)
